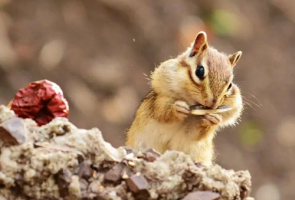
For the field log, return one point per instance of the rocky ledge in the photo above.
(60, 161)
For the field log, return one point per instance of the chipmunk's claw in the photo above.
(211, 119)
(182, 109)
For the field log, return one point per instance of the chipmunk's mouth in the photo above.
(197, 105)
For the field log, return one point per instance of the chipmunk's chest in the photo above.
(163, 136)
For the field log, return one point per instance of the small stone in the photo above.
(63, 178)
(202, 195)
(13, 131)
(126, 172)
(128, 149)
(151, 155)
(83, 187)
(94, 187)
(106, 165)
(115, 173)
(84, 170)
(244, 192)
(65, 175)
(137, 183)
(75, 188)
(83, 184)
(190, 179)
(131, 163)
(125, 175)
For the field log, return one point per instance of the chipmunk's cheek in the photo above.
(232, 98)
(221, 101)
(231, 92)
(234, 90)
(197, 100)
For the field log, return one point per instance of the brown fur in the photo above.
(159, 125)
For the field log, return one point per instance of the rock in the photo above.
(115, 173)
(13, 131)
(151, 155)
(199, 195)
(84, 170)
(64, 178)
(79, 164)
(137, 183)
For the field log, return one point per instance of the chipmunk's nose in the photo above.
(211, 103)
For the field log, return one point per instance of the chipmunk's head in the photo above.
(210, 73)
(201, 75)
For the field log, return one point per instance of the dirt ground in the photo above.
(99, 51)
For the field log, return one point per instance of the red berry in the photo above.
(41, 101)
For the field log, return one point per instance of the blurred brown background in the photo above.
(99, 50)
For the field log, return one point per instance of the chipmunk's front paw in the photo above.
(211, 120)
(182, 109)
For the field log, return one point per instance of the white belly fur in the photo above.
(175, 136)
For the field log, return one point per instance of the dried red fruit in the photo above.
(41, 101)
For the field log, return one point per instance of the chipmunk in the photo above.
(199, 76)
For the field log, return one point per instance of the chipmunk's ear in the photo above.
(200, 44)
(233, 59)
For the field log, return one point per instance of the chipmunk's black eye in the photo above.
(229, 86)
(200, 72)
